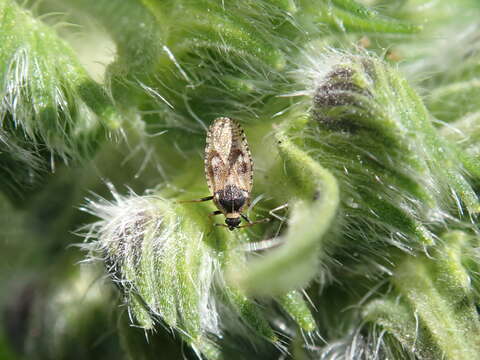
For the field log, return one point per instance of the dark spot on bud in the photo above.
(339, 102)
(134, 235)
(369, 68)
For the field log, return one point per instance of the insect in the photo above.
(229, 172)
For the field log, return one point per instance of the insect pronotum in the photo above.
(229, 172)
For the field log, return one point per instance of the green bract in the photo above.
(170, 267)
(50, 108)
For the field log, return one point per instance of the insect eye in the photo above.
(232, 222)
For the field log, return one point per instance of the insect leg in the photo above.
(244, 217)
(216, 212)
(254, 223)
(196, 200)
(272, 212)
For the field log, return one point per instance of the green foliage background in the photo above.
(363, 117)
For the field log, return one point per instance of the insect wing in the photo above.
(241, 172)
(227, 156)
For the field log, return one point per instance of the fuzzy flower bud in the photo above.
(168, 262)
(397, 174)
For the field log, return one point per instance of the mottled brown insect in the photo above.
(229, 172)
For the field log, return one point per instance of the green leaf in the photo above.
(350, 16)
(397, 174)
(51, 110)
(397, 319)
(296, 262)
(439, 291)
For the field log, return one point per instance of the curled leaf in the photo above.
(296, 262)
(396, 172)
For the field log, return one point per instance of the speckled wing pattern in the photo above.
(227, 157)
